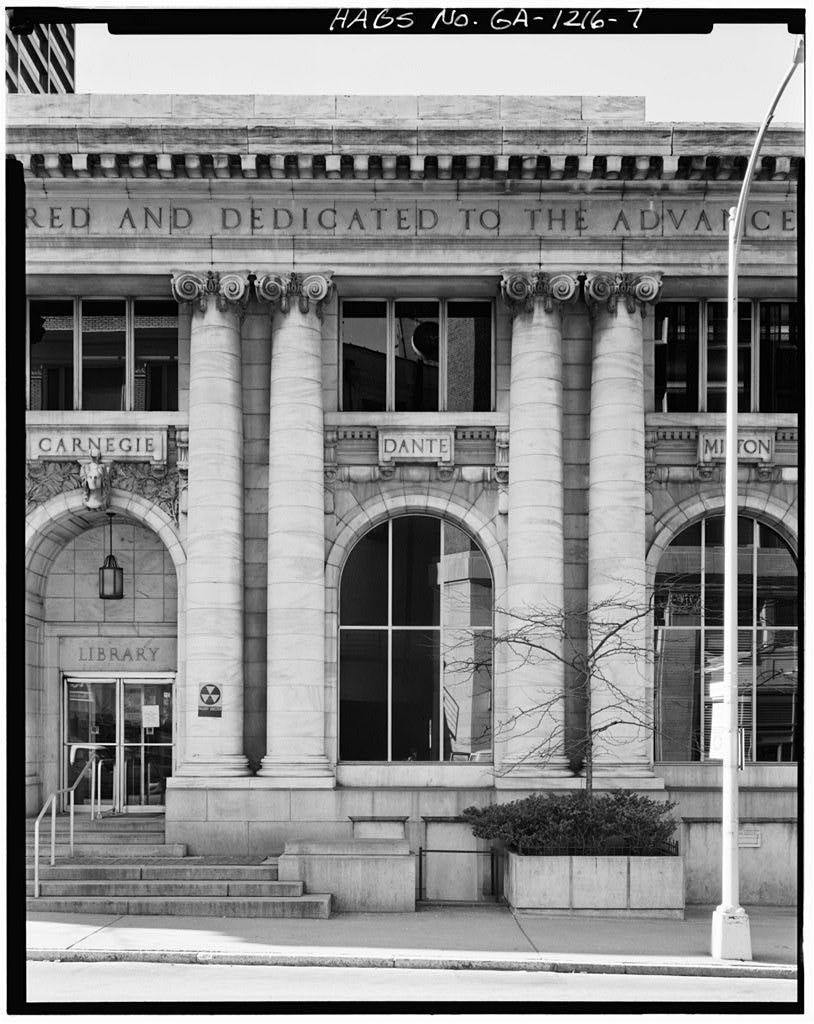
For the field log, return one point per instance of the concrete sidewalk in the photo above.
(487, 937)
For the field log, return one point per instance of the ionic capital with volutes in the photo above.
(310, 291)
(520, 290)
(230, 290)
(635, 290)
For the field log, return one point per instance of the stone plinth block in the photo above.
(361, 874)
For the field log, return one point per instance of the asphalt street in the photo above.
(138, 982)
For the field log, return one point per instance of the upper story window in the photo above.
(690, 358)
(103, 354)
(416, 355)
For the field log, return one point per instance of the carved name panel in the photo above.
(134, 444)
(416, 446)
(753, 446)
(115, 653)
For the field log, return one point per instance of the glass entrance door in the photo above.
(127, 722)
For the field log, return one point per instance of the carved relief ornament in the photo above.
(635, 290)
(520, 291)
(309, 291)
(230, 290)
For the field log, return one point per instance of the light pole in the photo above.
(731, 938)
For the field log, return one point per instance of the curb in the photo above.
(441, 962)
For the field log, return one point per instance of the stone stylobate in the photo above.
(295, 718)
(213, 745)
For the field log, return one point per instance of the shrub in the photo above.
(576, 823)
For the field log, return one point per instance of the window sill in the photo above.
(417, 419)
(104, 418)
(416, 774)
(746, 420)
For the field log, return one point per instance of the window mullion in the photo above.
(754, 346)
(390, 365)
(77, 353)
(129, 354)
(390, 640)
(702, 361)
(28, 354)
(442, 356)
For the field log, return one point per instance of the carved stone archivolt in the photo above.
(229, 290)
(521, 291)
(635, 290)
(44, 480)
(309, 291)
(158, 484)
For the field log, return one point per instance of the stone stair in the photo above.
(121, 865)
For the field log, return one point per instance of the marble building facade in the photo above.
(370, 377)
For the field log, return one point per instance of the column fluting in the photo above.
(620, 706)
(531, 705)
(213, 743)
(295, 722)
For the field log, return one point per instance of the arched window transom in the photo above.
(415, 645)
(689, 642)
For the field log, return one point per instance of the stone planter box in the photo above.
(620, 885)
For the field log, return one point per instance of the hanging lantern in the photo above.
(111, 576)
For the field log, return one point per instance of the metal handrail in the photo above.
(94, 764)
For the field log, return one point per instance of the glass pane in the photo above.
(51, 354)
(716, 356)
(676, 357)
(777, 584)
(103, 354)
(415, 695)
(714, 678)
(467, 581)
(416, 552)
(147, 712)
(678, 694)
(146, 770)
(91, 712)
(363, 695)
(714, 578)
(467, 697)
(780, 379)
(469, 356)
(417, 344)
(155, 327)
(777, 711)
(678, 581)
(364, 581)
(364, 356)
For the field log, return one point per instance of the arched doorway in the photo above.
(101, 674)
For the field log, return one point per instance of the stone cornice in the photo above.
(635, 290)
(309, 290)
(230, 290)
(520, 291)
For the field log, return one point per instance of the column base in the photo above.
(555, 774)
(731, 935)
(626, 776)
(227, 766)
(314, 774)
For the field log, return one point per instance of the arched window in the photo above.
(415, 645)
(689, 642)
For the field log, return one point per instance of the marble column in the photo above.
(295, 717)
(531, 709)
(620, 697)
(212, 744)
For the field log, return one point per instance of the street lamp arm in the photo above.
(740, 209)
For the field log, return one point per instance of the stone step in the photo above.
(124, 888)
(119, 822)
(87, 851)
(71, 871)
(310, 905)
(102, 835)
